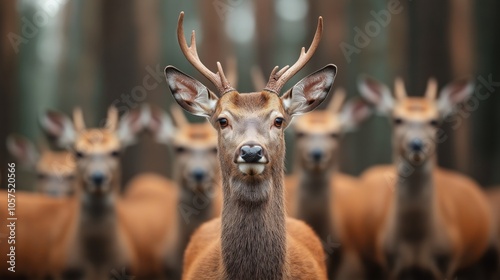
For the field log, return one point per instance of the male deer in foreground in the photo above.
(316, 188)
(418, 221)
(94, 241)
(55, 170)
(253, 239)
(193, 197)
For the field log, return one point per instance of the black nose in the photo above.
(198, 174)
(316, 155)
(251, 154)
(98, 179)
(416, 145)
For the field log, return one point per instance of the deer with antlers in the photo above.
(414, 219)
(55, 170)
(94, 242)
(253, 239)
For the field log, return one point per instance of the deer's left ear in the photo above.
(354, 113)
(307, 94)
(452, 94)
(192, 95)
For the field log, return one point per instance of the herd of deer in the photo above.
(229, 212)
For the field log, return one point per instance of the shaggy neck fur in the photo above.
(253, 237)
(415, 199)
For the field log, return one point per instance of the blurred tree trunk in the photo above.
(429, 57)
(119, 66)
(8, 80)
(266, 29)
(462, 64)
(486, 119)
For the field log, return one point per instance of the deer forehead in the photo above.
(317, 122)
(58, 163)
(254, 104)
(97, 141)
(416, 109)
(196, 136)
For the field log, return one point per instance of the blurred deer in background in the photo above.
(253, 239)
(196, 175)
(316, 188)
(55, 170)
(417, 220)
(94, 241)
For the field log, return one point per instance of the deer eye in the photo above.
(223, 122)
(70, 177)
(278, 122)
(398, 121)
(41, 176)
(300, 134)
(434, 123)
(334, 135)
(214, 150)
(115, 153)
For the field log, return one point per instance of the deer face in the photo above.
(317, 134)
(55, 171)
(415, 119)
(96, 150)
(194, 146)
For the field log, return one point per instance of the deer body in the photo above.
(419, 221)
(253, 239)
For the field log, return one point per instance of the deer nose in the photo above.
(316, 155)
(198, 174)
(251, 153)
(98, 178)
(416, 145)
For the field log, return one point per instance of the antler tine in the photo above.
(431, 90)
(218, 79)
(399, 88)
(337, 100)
(278, 78)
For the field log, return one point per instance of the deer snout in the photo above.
(316, 155)
(97, 178)
(251, 153)
(416, 145)
(198, 174)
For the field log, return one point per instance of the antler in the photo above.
(278, 78)
(399, 88)
(218, 79)
(431, 91)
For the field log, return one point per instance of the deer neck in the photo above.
(253, 237)
(414, 199)
(314, 199)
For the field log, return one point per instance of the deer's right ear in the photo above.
(192, 95)
(160, 125)
(376, 93)
(58, 128)
(22, 150)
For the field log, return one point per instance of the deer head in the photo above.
(318, 133)
(55, 170)
(415, 119)
(96, 150)
(249, 126)
(194, 145)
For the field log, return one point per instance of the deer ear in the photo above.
(192, 95)
(131, 124)
(58, 128)
(22, 150)
(307, 94)
(453, 94)
(354, 113)
(160, 125)
(376, 93)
